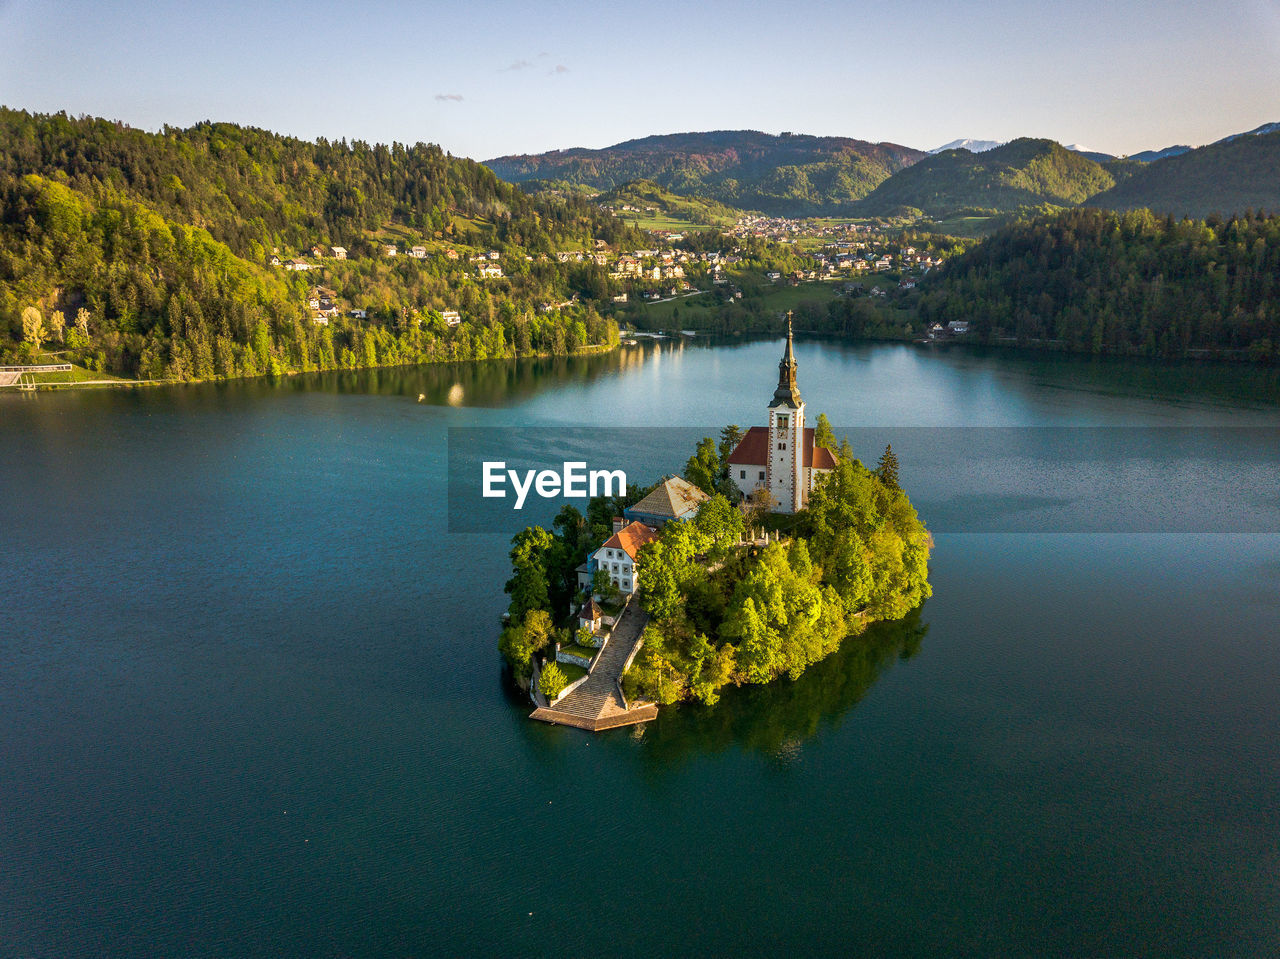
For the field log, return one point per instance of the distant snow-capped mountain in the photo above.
(1150, 156)
(1096, 155)
(970, 144)
(1256, 132)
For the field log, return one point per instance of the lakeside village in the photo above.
(772, 548)
(832, 252)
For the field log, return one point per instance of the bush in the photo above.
(553, 681)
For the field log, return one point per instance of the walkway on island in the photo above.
(598, 703)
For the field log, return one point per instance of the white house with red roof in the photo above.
(618, 555)
(782, 457)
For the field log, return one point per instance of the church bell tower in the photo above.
(785, 465)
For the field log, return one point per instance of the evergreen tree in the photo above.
(703, 468)
(887, 469)
(823, 435)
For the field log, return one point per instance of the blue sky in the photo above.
(487, 78)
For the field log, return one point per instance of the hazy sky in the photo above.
(484, 78)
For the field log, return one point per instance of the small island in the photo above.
(773, 548)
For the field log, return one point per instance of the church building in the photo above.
(781, 458)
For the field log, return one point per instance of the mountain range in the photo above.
(1234, 175)
(797, 175)
(785, 174)
(970, 144)
(1023, 173)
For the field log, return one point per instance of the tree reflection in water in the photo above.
(775, 719)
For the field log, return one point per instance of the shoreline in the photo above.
(595, 350)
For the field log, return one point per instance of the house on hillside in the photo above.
(339, 252)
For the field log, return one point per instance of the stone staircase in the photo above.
(596, 703)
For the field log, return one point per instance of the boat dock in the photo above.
(599, 703)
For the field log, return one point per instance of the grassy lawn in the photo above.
(657, 221)
(690, 312)
(823, 222)
(663, 314)
(78, 374)
(967, 226)
(784, 297)
(571, 672)
(573, 649)
(674, 222)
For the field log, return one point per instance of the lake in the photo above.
(250, 700)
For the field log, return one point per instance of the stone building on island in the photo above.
(781, 458)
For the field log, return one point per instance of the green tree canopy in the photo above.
(528, 584)
(703, 467)
(552, 681)
(823, 435)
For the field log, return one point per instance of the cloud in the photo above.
(518, 65)
(449, 97)
(559, 68)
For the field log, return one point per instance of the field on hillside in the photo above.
(692, 312)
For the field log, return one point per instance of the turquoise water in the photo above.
(250, 703)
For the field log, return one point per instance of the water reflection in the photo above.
(776, 719)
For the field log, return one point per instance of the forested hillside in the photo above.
(1127, 283)
(788, 174)
(150, 255)
(1023, 174)
(1232, 176)
(644, 199)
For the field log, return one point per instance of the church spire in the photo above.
(787, 393)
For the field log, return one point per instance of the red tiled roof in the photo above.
(753, 450)
(630, 538)
(817, 457)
